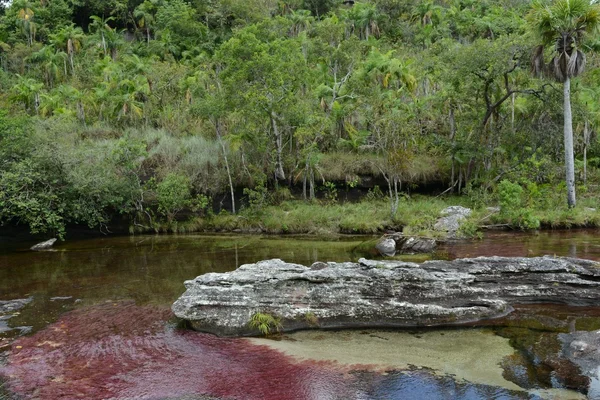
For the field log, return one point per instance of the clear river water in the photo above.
(98, 325)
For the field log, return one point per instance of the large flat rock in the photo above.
(382, 293)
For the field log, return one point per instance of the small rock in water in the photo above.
(386, 247)
(9, 306)
(58, 298)
(418, 245)
(44, 245)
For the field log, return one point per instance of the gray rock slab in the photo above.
(382, 293)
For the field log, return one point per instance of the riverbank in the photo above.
(415, 216)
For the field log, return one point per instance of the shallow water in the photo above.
(100, 326)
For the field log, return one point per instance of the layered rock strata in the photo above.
(380, 293)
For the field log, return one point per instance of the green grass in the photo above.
(416, 216)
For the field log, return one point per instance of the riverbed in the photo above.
(98, 326)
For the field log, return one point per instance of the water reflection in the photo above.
(567, 243)
(148, 271)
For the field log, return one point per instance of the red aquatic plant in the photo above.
(124, 351)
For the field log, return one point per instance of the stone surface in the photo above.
(386, 247)
(8, 309)
(583, 349)
(382, 293)
(396, 242)
(44, 245)
(418, 245)
(451, 220)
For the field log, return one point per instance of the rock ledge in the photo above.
(382, 293)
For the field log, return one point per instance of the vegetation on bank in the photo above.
(510, 208)
(151, 109)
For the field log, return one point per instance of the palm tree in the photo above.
(564, 24)
(365, 17)
(301, 21)
(110, 39)
(27, 91)
(25, 19)
(51, 61)
(144, 15)
(69, 39)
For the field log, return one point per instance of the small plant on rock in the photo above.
(311, 319)
(265, 323)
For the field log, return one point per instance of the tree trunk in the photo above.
(512, 114)
(218, 130)
(312, 184)
(279, 172)
(104, 44)
(586, 142)
(453, 139)
(304, 180)
(569, 159)
(71, 51)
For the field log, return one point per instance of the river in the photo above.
(98, 326)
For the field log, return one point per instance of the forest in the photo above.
(180, 115)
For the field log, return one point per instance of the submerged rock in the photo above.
(394, 243)
(381, 294)
(583, 349)
(418, 245)
(10, 308)
(44, 245)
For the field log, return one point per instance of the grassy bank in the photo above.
(415, 216)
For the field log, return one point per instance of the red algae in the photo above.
(124, 351)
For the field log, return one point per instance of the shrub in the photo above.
(512, 208)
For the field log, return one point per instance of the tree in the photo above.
(27, 91)
(51, 61)
(69, 39)
(145, 17)
(110, 39)
(364, 18)
(26, 20)
(263, 78)
(564, 24)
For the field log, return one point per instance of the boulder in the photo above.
(44, 245)
(386, 247)
(381, 293)
(451, 219)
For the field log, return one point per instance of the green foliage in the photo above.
(513, 207)
(265, 323)
(258, 197)
(374, 194)
(330, 192)
(147, 108)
